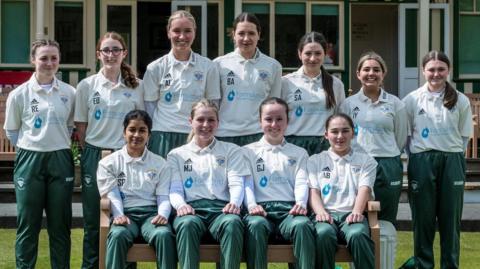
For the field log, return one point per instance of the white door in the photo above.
(407, 42)
(198, 8)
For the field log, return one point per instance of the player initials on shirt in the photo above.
(187, 166)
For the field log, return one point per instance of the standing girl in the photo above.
(137, 182)
(312, 93)
(39, 121)
(380, 129)
(341, 181)
(440, 121)
(207, 190)
(174, 82)
(102, 101)
(247, 78)
(277, 195)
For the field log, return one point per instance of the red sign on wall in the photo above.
(9, 80)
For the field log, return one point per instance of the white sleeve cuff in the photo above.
(116, 205)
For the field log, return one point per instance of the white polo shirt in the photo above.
(380, 127)
(41, 117)
(308, 103)
(432, 126)
(176, 86)
(339, 178)
(208, 173)
(140, 180)
(245, 83)
(103, 106)
(279, 172)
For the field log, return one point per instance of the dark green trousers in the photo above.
(91, 155)
(436, 182)
(43, 180)
(241, 140)
(227, 229)
(162, 143)
(388, 186)
(355, 235)
(160, 237)
(295, 229)
(312, 144)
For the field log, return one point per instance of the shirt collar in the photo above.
(191, 60)
(271, 147)
(336, 158)
(243, 60)
(130, 159)
(383, 97)
(301, 73)
(429, 95)
(36, 87)
(192, 146)
(106, 82)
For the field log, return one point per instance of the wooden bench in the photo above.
(211, 253)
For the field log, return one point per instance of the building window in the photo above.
(15, 32)
(291, 20)
(119, 20)
(212, 30)
(468, 56)
(69, 18)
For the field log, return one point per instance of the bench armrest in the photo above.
(104, 229)
(373, 207)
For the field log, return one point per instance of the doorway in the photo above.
(375, 28)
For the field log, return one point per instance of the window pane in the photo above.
(466, 5)
(469, 58)
(325, 20)
(15, 22)
(411, 53)
(262, 11)
(69, 31)
(289, 28)
(212, 30)
(119, 20)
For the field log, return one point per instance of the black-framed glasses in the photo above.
(114, 51)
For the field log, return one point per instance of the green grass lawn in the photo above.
(470, 244)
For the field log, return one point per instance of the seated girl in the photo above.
(137, 182)
(341, 183)
(277, 193)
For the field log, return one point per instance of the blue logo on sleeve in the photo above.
(425, 132)
(299, 111)
(326, 189)
(231, 95)
(188, 183)
(38, 122)
(355, 130)
(263, 181)
(98, 114)
(168, 97)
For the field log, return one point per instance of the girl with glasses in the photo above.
(102, 101)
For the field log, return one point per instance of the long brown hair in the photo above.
(327, 79)
(127, 72)
(451, 96)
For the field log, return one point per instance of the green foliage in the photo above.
(470, 243)
(76, 152)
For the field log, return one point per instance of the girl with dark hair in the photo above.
(176, 81)
(207, 191)
(137, 182)
(102, 101)
(38, 121)
(440, 124)
(277, 193)
(312, 93)
(380, 129)
(247, 77)
(341, 183)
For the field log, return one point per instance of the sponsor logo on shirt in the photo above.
(263, 74)
(38, 122)
(326, 172)
(220, 160)
(188, 183)
(260, 165)
(34, 105)
(231, 95)
(168, 96)
(198, 76)
(20, 183)
(96, 98)
(421, 112)
(297, 95)
(355, 112)
(299, 111)
(231, 78)
(121, 179)
(98, 114)
(263, 181)
(151, 174)
(187, 166)
(355, 129)
(425, 132)
(326, 189)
